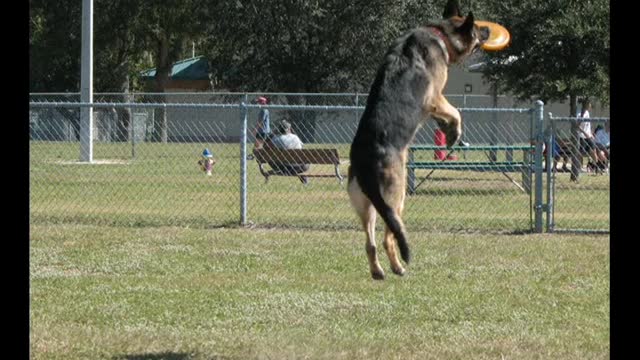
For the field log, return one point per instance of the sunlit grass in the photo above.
(112, 292)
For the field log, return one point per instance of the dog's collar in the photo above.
(444, 43)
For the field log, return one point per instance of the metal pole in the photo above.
(493, 154)
(539, 136)
(86, 83)
(356, 111)
(132, 132)
(551, 174)
(133, 135)
(243, 163)
(411, 174)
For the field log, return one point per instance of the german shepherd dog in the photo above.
(406, 91)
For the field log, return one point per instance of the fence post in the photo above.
(551, 173)
(86, 83)
(411, 175)
(539, 138)
(243, 163)
(356, 111)
(131, 98)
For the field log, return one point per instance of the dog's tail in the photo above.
(371, 188)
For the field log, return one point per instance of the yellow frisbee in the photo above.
(499, 37)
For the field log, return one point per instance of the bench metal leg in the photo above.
(411, 175)
(514, 182)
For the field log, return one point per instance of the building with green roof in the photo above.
(188, 74)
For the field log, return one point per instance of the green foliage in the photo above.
(54, 45)
(306, 46)
(559, 49)
(562, 47)
(119, 37)
(168, 27)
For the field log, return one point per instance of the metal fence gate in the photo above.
(577, 196)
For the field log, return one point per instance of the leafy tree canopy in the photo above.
(559, 49)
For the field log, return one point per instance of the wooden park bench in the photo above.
(297, 156)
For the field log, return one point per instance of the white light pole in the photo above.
(86, 83)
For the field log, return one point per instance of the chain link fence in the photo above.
(145, 167)
(578, 180)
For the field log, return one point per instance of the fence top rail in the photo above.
(577, 119)
(234, 93)
(45, 104)
(494, 109)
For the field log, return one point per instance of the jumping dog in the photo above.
(407, 90)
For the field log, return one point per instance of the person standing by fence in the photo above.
(586, 144)
(587, 139)
(263, 127)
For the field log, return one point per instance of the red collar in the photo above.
(445, 40)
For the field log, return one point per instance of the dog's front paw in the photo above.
(453, 135)
(452, 130)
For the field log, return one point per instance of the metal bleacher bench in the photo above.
(298, 156)
(524, 166)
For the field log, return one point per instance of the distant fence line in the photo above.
(337, 109)
(193, 126)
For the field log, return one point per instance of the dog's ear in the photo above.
(467, 26)
(451, 9)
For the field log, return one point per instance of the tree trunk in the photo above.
(493, 154)
(163, 72)
(123, 132)
(576, 155)
(304, 122)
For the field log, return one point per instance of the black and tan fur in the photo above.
(406, 91)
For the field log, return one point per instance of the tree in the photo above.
(559, 50)
(169, 27)
(119, 52)
(305, 46)
(54, 45)
(125, 30)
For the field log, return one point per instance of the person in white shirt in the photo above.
(587, 142)
(286, 139)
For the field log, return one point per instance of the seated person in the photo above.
(602, 138)
(559, 152)
(284, 138)
(602, 142)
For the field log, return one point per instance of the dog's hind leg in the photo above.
(367, 214)
(389, 244)
(395, 196)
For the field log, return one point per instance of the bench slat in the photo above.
(298, 156)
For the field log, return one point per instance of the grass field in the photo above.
(163, 186)
(108, 292)
(144, 260)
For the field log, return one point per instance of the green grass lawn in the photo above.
(122, 292)
(143, 259)
(164, 186)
